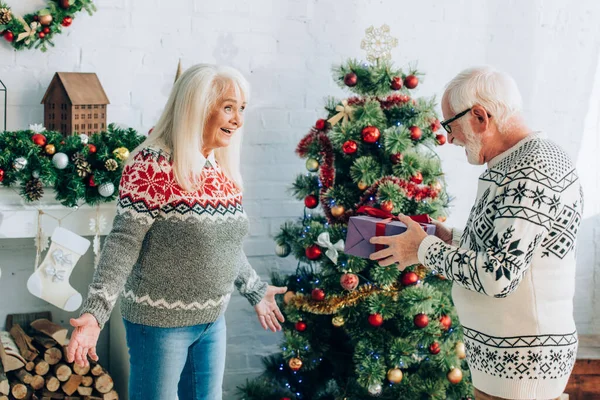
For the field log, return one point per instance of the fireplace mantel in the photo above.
(18, 218)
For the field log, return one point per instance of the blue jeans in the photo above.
(188, 361)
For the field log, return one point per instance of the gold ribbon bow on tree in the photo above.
(30, 31)
(332, 249)
(344, 114)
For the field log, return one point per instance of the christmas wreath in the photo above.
(80, 168)
(36, 30)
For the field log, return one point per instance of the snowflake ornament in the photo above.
(97, 225)
(378, 43)
(37, 128)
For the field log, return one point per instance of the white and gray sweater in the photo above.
(513, 270)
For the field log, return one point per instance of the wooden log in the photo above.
(81, 370)
(4, 385)
(92, 398)
(87, 381)
(103, 383)
(38, 382)
(53, 355)
(97, 370)
(45, 341)
(112, 395)
(41, 367)
(9, 353)
(72, 398)
(55, 331)
(24, 343)
(4, 398)
(85, 391)
(53, 395)
(23, 376)
(52, 383)
(30, 366)
(72, 384)
(21, 391)
(63, 372)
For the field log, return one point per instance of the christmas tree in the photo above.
(355, 329)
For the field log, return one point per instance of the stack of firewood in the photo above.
(35, 367)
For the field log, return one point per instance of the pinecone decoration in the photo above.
(78, 158)
(34, 190)
(83, 169)
(5, 16)
(111, 165)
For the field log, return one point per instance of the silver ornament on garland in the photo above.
(84, 138)
(375, 389)
(283, 250)
(60, 160)
(20, 163)
(106, 189)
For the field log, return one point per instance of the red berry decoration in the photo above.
(349, 281)
(435, 125)
(350, 79)
(91, 181)
(41, 35)
(411, 81)
(396, 158)
(446, 322)
(396, 83)
(421, 320)
(64, 4)
(415, 132)
(67, 21)
(376, 319)
(36, 18)
(417, 178)
(321, 124)
(387, 206)
(409, 278)
(441, 139)
(46, 30)
(39, 139)
(435, 348)
(318, 294)
(92, 148)
(1, 174)
(350, 147)
(9, 36)
(370, 134)
(300, 326)
(311, 201)
(313, 252)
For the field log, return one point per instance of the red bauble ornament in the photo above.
(311, 201)
(318, 294)
(421, 320)
(64, 4)
(441, 139)
(387, 206)
(417, 178)
(350, 147)
(396, 158)
(9, 36)
(67, 21)
(313, 252)
(1, 174)
(39, 139)
(92, 148)
(446, 322)
(409, 278)
(300, 326)
(435, 125)
(435, 348)
(91, 181)
(415, 132)
(41, 35)
(350, 79)
(411, 81)
(396, 83)
(370, 134)
(321, 124)
(46, 30)
(349, 281)
(376, 319)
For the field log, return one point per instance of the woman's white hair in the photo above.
(494, 90)
(181, 126)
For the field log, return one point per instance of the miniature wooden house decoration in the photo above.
(75, 103)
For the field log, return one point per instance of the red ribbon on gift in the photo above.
(387, 218)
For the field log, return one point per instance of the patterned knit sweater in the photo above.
(513, 270)
(175, 256)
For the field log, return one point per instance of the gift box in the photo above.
(362, 228)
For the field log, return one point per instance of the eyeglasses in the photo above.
(446, 123)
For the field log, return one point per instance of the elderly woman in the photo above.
(175, 250)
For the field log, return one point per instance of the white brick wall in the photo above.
(286, 49)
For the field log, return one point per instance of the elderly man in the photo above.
(513, 266)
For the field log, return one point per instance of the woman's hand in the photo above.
(267, 311)
(83, 340)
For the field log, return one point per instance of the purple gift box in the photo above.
(362, 228)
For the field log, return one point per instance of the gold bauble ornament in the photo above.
(395, 375)
(362, 186)
(122, 153)
(338, 321)
(288, 296)
(312, 165)
(45, 19)
(111, 164)
(50, 149)
(455, 376)
(295, 364)
(460, 350)
(337, 211)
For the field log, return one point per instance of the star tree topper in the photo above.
(378, 43)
